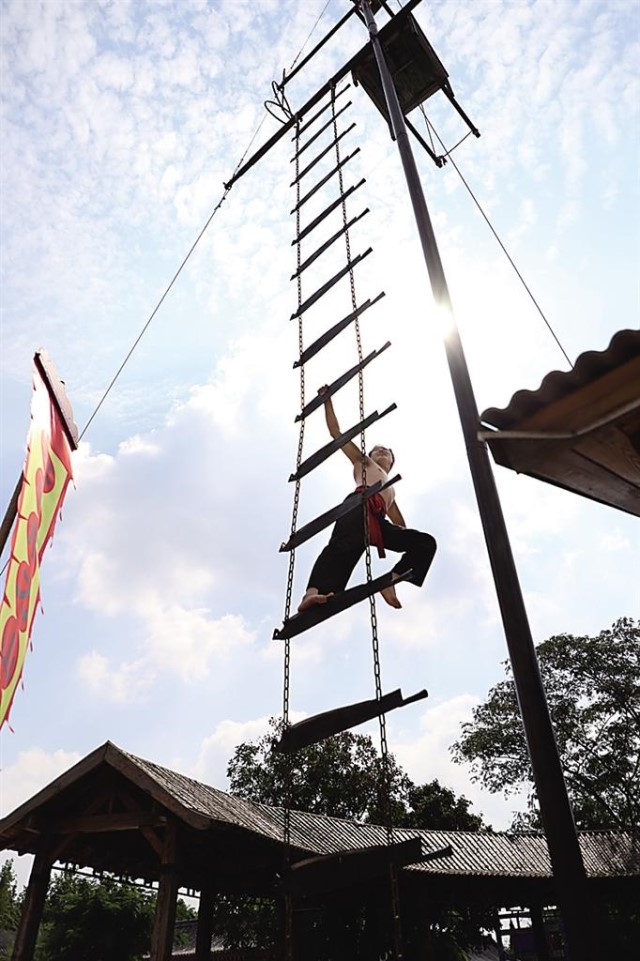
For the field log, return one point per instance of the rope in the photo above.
(493, 231)
(279, 104)
(455, 146)
(313, 29)
(167, 289)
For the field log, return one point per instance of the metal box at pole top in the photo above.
(415, 67)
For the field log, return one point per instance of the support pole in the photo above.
(555, 809)
(165, 916)
(205, 923)
(33, 907)
(58, 397)
(318, 95)
(539, 934)
(10, 515)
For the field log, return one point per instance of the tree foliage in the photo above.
(90, 920)
(9, 901)
(86, 920)
(343, 777)
(593, 691)
(434, 806)
(9, 908)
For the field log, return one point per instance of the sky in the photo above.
(121, 121)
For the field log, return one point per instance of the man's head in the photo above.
(383, 457)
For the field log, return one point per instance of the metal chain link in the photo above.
(288, 773)
(375, 643)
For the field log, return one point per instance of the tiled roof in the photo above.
(209, 801)
(605, 853)
(205, 810)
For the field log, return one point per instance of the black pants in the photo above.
(335, 564)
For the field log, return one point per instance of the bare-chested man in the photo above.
(335, 564)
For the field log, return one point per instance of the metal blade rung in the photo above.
(324, 520)
(325, 179)
(319, 133)
(321, 726)
(319, 113)
(325, 213)
(327, 244)
(335, 605)
(321, 455)
(333, 871)
(321, 155)
(319, 399)
(310, 301)
(328, 335)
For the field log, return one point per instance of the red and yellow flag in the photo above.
(46, 475)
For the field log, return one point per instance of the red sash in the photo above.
(376, 509)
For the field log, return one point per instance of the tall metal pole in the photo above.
(555, 809)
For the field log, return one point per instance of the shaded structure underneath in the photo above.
(580, 429)
(119, 813)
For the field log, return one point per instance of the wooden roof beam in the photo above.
(101, 823)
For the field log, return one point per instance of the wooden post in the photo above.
(205, 923)
(10, 515)
(539, 935)
(165, 918)
(32, 908)
(569, 872)
(416, 922)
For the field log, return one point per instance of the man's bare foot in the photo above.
(390, 596)
(311, 598)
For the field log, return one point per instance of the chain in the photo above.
(296, 496)
(384, 747)
(288, 774)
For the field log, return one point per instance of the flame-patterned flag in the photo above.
(46, 475)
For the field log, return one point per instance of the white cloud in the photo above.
(426, 757)
(126, 683)
(188, 642)
(121, 123)
(32, 770)
(215, 751)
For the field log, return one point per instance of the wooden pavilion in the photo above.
(118, 813)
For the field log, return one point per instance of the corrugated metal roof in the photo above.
(624, 346)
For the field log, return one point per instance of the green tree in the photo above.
(87, 920)
(593, 691)
(98, 920)
(342, 777)
(9, 902)
(9, 907)
(433, 806)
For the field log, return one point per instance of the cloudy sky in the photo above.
(120, 123)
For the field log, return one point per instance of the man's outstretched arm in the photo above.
(349, 448)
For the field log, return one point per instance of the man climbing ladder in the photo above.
(335, 564)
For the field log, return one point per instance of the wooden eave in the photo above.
(109, 755)
(581, 429)
(108, 814)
